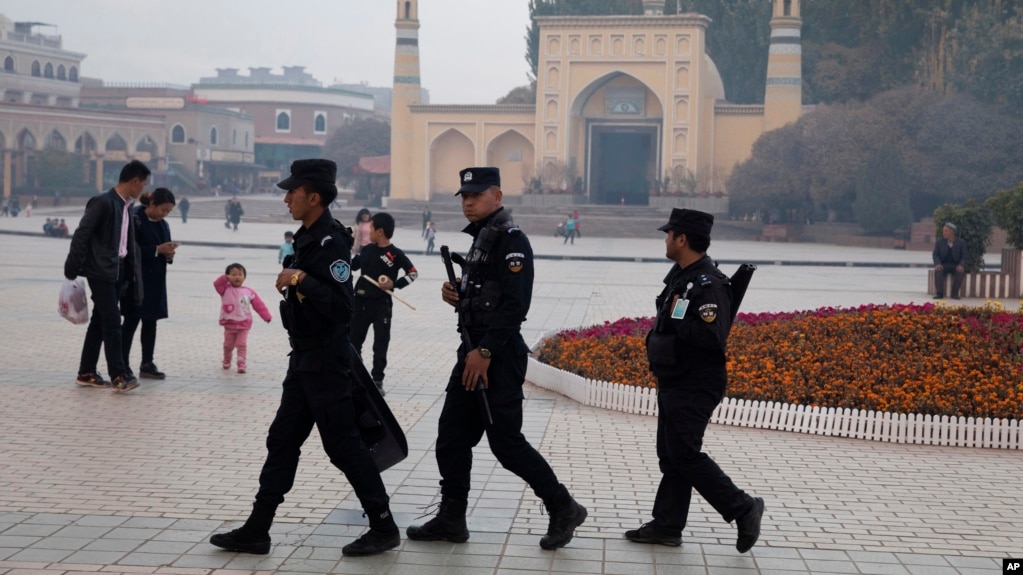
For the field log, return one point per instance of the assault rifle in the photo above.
(481, 386)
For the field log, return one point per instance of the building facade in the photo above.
(291, 112)
(40, 88)
(624, 104)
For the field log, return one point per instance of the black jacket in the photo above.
(497, 284)
(323, 251)
(694, 316)
(942, 249)
(93, 252)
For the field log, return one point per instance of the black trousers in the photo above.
(322, 398)
(939, 280)
(462, 426)
(684, 410)
(376, 312)
(105, 326)
(148, 337)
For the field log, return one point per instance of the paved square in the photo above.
(93, 481)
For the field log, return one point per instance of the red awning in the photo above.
(378, 165)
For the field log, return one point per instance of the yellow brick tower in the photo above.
(406, 92)
(783, 100)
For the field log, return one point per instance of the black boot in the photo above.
(566, 515)
(254, 536)
(448, 525)
(383, 534)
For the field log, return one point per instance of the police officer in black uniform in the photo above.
(686, 351)
(317, 286)
(493, 294)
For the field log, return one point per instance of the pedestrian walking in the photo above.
(317, 288)
(493, 297)
(686, 351)
(104, 251)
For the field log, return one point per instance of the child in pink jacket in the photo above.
(236, 305)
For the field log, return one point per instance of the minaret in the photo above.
(783, 99)
(653, 7)
(406, 91)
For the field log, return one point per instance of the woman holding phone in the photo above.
(157, 252)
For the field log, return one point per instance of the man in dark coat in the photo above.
(686, 351)
(318, 389)
(104, 251)
(494, 296)
(949, 257)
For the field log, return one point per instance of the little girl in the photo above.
(236, 304)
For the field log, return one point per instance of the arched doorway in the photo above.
(25, 146)
(513, 154)
(450, 153)
(55, 141)
(616, 123)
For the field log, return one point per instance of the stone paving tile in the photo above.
(190, 460)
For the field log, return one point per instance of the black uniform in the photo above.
(686, 350)
(318, 386)
(372, 305)
(496, 289)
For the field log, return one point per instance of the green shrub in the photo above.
(1007, 208)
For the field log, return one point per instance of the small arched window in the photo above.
(48, 71)
(178, 134)
(61, 72)
(320, 123)
(36, 69)
(9, 64)
(283, 121)
(72, 74)
(213, 136)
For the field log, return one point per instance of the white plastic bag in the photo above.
(73, 305)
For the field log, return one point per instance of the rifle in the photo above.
(445, 255)
(739, 283)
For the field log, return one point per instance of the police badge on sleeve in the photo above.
(515, 261)
(709, 312)
(341, 270)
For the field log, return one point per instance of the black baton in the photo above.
(445, 255)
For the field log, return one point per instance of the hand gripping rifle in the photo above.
(481, 386)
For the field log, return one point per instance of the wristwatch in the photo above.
(296, 278)
(484, 352)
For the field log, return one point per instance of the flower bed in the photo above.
(918, 359)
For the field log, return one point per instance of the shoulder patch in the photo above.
(326, 239)
(515, 261)
(340, 270)
(709, 312)
(514, 231)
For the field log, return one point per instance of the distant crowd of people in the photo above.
(55, 228)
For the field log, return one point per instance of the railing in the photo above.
(814, 420)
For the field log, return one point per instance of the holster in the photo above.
(287, 316)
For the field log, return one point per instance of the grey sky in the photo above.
(471, 50)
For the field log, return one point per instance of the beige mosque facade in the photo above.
(622, 102)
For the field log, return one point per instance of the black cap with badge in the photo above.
(321, 173)
(691, 221)
(476, 180)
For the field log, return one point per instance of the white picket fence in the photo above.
(854, 423)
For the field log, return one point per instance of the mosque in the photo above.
(622, 103)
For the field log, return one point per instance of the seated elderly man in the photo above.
(949, 257)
